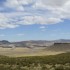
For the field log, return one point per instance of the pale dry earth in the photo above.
(19, 52)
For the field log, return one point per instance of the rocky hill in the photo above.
(60, 47)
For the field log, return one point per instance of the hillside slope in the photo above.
(59, 47)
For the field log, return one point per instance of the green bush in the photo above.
(55, 62)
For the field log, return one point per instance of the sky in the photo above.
(34, 20)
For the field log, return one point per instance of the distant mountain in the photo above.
(4, 42)
(62, 41)
(34, 43)
(59, 47)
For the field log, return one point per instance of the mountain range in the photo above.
(32, 43)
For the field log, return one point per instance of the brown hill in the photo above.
(59, 47)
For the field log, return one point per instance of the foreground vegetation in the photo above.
(53, 62)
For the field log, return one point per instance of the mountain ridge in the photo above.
(33, 43)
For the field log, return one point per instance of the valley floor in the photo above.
(18, 52)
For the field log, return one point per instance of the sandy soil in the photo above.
(18, 52)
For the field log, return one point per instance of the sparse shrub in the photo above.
(56, 62)
(44, 68)
(59, 67)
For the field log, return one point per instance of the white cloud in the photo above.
(59, 8)
(20, 34)
(25, 2)
(28, 12)
(17, 4)
(13, 20)
(14, 4)
(40, 20)
(42, 27)
(5, 22)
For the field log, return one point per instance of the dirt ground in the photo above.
(19, 52)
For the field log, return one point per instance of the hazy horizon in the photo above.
(35, 40)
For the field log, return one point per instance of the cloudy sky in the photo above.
(34, 19)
